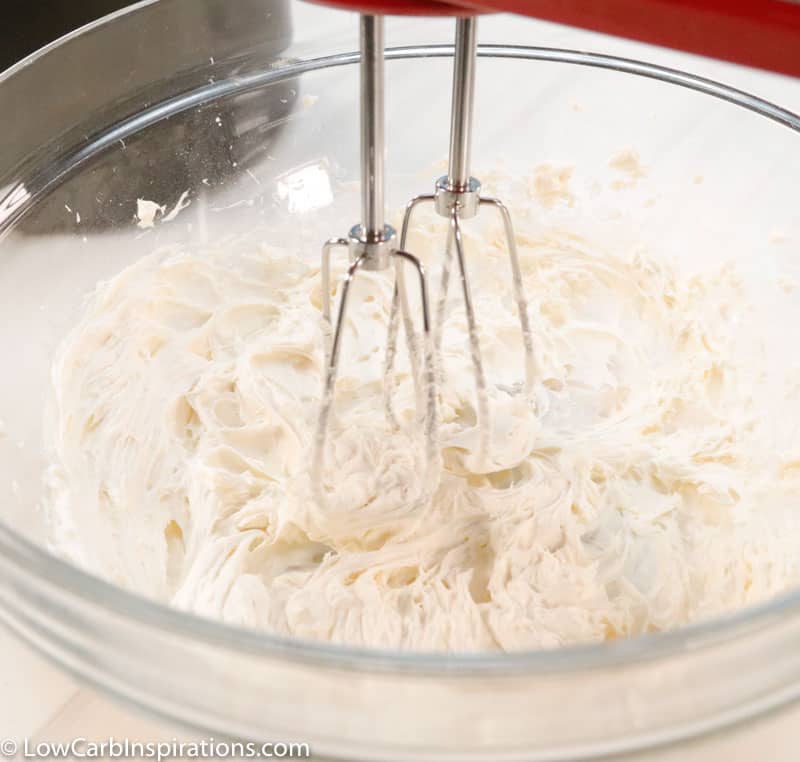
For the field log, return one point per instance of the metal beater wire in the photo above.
(457, 198)
(371, 246)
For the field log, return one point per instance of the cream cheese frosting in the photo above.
(637, 490)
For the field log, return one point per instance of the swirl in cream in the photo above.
(637, 491)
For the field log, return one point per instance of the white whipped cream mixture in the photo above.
(638, 490)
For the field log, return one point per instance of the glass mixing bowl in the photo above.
(113, 114)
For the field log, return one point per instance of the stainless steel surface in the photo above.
(457, 197)
(372, 245)
(372, 126)
(463, 104)
(466, 198)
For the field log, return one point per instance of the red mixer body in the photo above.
(403, 7)
(760, 33)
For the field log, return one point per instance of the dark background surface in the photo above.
(30, 24)
(88, 85)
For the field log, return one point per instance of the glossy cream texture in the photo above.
(640, 488)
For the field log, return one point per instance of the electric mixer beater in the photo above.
(372, 245)
(457, 197)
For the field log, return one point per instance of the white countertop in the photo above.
(36, 699)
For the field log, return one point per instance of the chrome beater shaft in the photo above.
(457, 197)
(372, 245)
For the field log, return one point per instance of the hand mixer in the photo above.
(762, 33)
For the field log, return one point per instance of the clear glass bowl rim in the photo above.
(27, 558)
